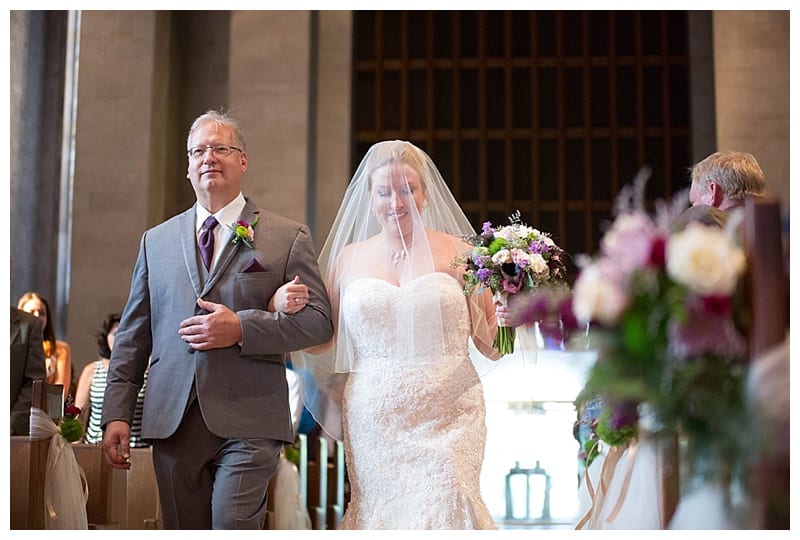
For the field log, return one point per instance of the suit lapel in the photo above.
(229, 250)
(189, 246)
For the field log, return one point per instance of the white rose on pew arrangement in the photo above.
(705, 260)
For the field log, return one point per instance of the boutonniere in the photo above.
(243, 232)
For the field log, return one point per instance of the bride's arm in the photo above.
(482, 317)
(483, 323)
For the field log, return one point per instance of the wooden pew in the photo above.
(29, 462)
(336, 480)
(326, 487)
(767, 283)
(143, 502)
(669, 466)
(318, 487)
(767, 295)
(105, 507)
(302, 442)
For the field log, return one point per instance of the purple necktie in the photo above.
(207, 241)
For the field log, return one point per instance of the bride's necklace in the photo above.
(395, 255)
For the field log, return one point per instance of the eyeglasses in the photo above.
(219, 150)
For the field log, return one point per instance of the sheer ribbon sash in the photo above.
(65, 487)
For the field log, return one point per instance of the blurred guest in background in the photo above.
(27, 365)
(57, 353)
(92, 387)
(719, 184)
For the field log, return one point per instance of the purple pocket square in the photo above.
(254, 266)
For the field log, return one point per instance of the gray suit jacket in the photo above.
(701, 213)
(242, 391)
(27, 365)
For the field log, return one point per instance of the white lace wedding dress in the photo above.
(414, 428)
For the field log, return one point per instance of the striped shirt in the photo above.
(94, 433)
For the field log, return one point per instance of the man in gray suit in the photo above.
(217, 408)
(27, 365)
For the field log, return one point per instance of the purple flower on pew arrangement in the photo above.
(667, 316)
(243, 232)
(70, 426)
(550, 307)
(618, 423)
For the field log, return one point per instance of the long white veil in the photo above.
(397, 223)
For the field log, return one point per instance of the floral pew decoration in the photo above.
(65, 491)
(667, 317)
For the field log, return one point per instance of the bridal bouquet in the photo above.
(508, 260)
(667, 315)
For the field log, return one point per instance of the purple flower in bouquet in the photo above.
(483, 274)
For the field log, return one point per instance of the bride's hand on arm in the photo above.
(290, 298)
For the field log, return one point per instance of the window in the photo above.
(547, 112)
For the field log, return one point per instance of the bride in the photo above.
(397, 373)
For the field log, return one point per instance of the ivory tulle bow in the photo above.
(624, 488)
(290, 511)
(65, 488)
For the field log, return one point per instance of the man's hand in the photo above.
(218, 329)
(117, 444)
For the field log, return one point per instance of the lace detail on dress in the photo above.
(414, 427)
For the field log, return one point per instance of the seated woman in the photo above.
(57, 353)
(92, 387)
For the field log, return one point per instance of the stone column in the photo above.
(751, 71)
(269, 82)
(289, 75)
(119, 155)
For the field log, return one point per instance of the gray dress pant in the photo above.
(206, 482)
